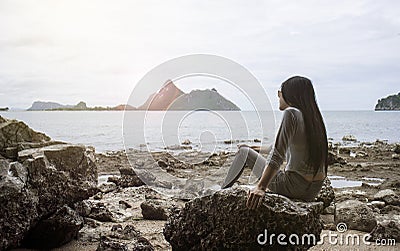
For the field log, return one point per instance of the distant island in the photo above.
(390, 103)
(169, 97)
(81, 106)
(3, 109)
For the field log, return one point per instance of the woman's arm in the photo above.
(255, 196)
(285, 133)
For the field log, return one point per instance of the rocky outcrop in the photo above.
(222, 221)
(35, 188)
(391, 102)
(170, 97)
(16, 136)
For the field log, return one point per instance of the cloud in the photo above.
(61, 50)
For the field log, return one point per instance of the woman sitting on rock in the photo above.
(301, 139)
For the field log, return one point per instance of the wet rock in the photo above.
(387, 230)
(326, 194)
(58, 229)
(388, 196)
(356, 215)
(153, 209)
(211, 222)
(124, 239)
(349, 138)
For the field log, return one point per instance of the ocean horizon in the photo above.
(104, 129)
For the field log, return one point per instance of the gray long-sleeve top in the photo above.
(291, 142)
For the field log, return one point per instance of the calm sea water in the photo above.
(206, 130)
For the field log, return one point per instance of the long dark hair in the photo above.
(299, 92)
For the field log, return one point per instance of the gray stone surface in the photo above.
(58, 229)
(40, 182)
(356, 214)
(222, 220)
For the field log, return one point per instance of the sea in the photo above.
(203, 130)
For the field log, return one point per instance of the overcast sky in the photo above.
(96, 51)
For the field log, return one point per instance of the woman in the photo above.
(301, 139)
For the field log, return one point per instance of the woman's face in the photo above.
(282, 103)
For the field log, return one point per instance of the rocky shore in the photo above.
(67, 197)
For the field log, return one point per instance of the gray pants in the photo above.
(287, 183)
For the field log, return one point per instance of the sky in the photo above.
(97, 51)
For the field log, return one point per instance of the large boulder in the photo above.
(60, 174)
(18, 208)
(58, 229)
(356, 215)
(16, 135)
(45, 177)
(222, 221)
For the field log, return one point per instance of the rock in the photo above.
(100, 212)
(153, 209)
(257, 140)
(60, 174)
(107, 187)
(128, 178)
(58, 229)
(395, 156)
(334, 158)
(326, 194)
(46, 176)
(349, 138)
(388, 196)
(124, 239)
(384, 193)
(376, 203)
(396, 148)
(390, 209)
(14, 132)
(211, 222)
(18, 211)
(361, 154)
(186, 142)
(356, 215)
(388, 230)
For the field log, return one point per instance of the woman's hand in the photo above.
(255, 198)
